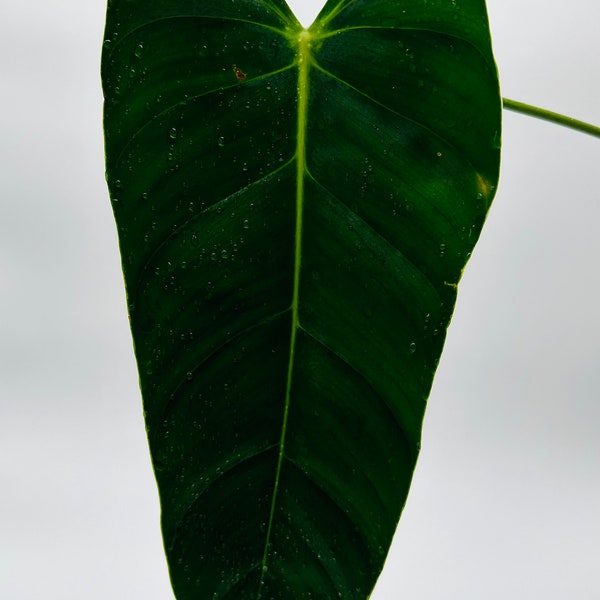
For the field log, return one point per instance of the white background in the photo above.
(506, 497)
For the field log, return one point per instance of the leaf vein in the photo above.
(363, 377)
(188, 102)
(205, 359)
(182, 227)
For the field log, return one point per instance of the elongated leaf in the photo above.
(294, 210)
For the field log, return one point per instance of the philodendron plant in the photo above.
(295, 209)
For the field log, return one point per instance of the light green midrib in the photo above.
(304, 60)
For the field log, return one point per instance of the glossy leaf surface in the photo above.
(294, 210)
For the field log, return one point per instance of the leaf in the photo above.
(294, 211)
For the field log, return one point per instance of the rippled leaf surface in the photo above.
(294, 210)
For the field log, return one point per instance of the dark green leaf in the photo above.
(294, 209)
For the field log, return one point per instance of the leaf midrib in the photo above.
(304, 62)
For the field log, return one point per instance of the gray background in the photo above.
(506, 497)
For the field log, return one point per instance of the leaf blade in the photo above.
(294, 212)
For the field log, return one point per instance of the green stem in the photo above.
(547, 115)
